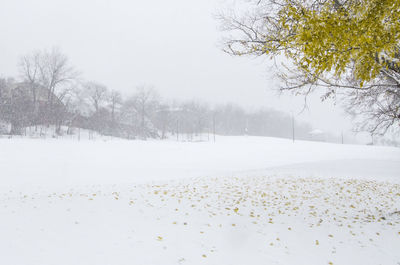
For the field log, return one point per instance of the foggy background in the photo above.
(171, 45)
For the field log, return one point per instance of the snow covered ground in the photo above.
(240, 200)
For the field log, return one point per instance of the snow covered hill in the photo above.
(63, 161)
(240, 200)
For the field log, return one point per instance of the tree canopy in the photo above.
(353, 44)
(338, 34)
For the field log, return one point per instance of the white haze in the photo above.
(172, 45)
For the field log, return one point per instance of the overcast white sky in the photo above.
(172, 45)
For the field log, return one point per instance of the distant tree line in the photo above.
(50, 92)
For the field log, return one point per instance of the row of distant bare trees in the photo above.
(50, 92)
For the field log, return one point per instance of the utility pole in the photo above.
(214, 126)
(177, 130)
(342, 138)
(293, 126)
(143, 124)
(246, 130)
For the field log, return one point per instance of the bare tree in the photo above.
(376, 108)
(29, 70)
(146, 101)
(163, 119)
(49, 77)
(97, 94)
(55, 71)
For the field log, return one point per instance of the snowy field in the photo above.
(240, 200)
